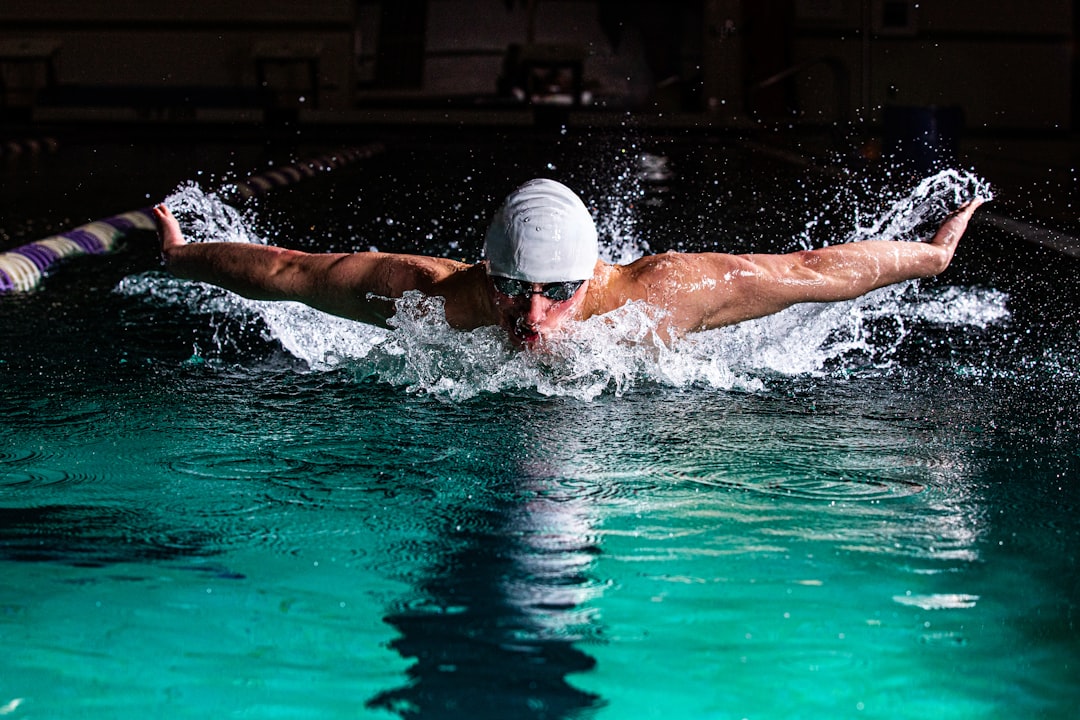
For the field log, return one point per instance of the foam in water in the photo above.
(609, 354)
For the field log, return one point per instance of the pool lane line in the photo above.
(28, 146)
(23, 268)
(301, 170)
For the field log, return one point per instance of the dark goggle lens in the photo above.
(557, 291)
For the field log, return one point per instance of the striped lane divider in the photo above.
(28, 146)
(23, 268)
(303, 169)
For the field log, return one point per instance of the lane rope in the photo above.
(28, 146)
(24, 268)
(302, 169)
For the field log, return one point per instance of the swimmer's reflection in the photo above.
(493, 634)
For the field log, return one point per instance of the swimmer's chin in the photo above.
(532, 340)
(522, 335)
(526, 339)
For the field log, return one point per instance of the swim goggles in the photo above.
(557, 291)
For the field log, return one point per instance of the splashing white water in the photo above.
(208, 217)
(613, 201)
(903, 217)
(609, 354)
(931, 200)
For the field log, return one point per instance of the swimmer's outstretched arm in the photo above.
(358, 286)
(711, 290)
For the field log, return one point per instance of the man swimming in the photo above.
(541, 269)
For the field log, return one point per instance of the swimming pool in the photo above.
(220, 508)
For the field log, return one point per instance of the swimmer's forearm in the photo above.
(257, 272)
(888, 262)
(745, 287)
(844, 272)
(253, 271)
(344, 284)
(324, 281)
(765, 284)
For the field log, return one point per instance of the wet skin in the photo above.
(695, 291)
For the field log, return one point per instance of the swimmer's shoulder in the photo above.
(464, 288)
(683, 269)
(634, 279)
(672, 280)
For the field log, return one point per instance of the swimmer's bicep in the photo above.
(339, 284)
(695, 291)
(365, 286)
(709, 290)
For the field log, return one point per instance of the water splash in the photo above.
(614, 353)
(974, 307)
(909, 216)
(206, 216)
(615, 192)
(930, 201)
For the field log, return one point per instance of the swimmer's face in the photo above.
(530, 312)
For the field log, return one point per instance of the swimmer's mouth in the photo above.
(525, 334)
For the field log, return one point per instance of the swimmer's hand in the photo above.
(168, 231)
(952, 229)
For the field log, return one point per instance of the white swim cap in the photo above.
(542, 233)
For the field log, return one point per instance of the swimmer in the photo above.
(541, 269)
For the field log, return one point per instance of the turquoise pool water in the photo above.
(214, 508)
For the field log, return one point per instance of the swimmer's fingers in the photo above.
(970, 206)
(952, 229)
(168, 228)
(162, 214)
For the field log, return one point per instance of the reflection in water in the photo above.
(688, 486)
(494, 627)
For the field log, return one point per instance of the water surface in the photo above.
(211, 507)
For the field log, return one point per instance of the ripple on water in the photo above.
(241, 465)
(372, 484)
(606, 487)
(91, 535)
(408, 560)
(46, 414)
(34, 469)
(337, 492)
(818, 487)
(22, 455)
(226, 515)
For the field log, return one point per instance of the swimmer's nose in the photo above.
(538, 307)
